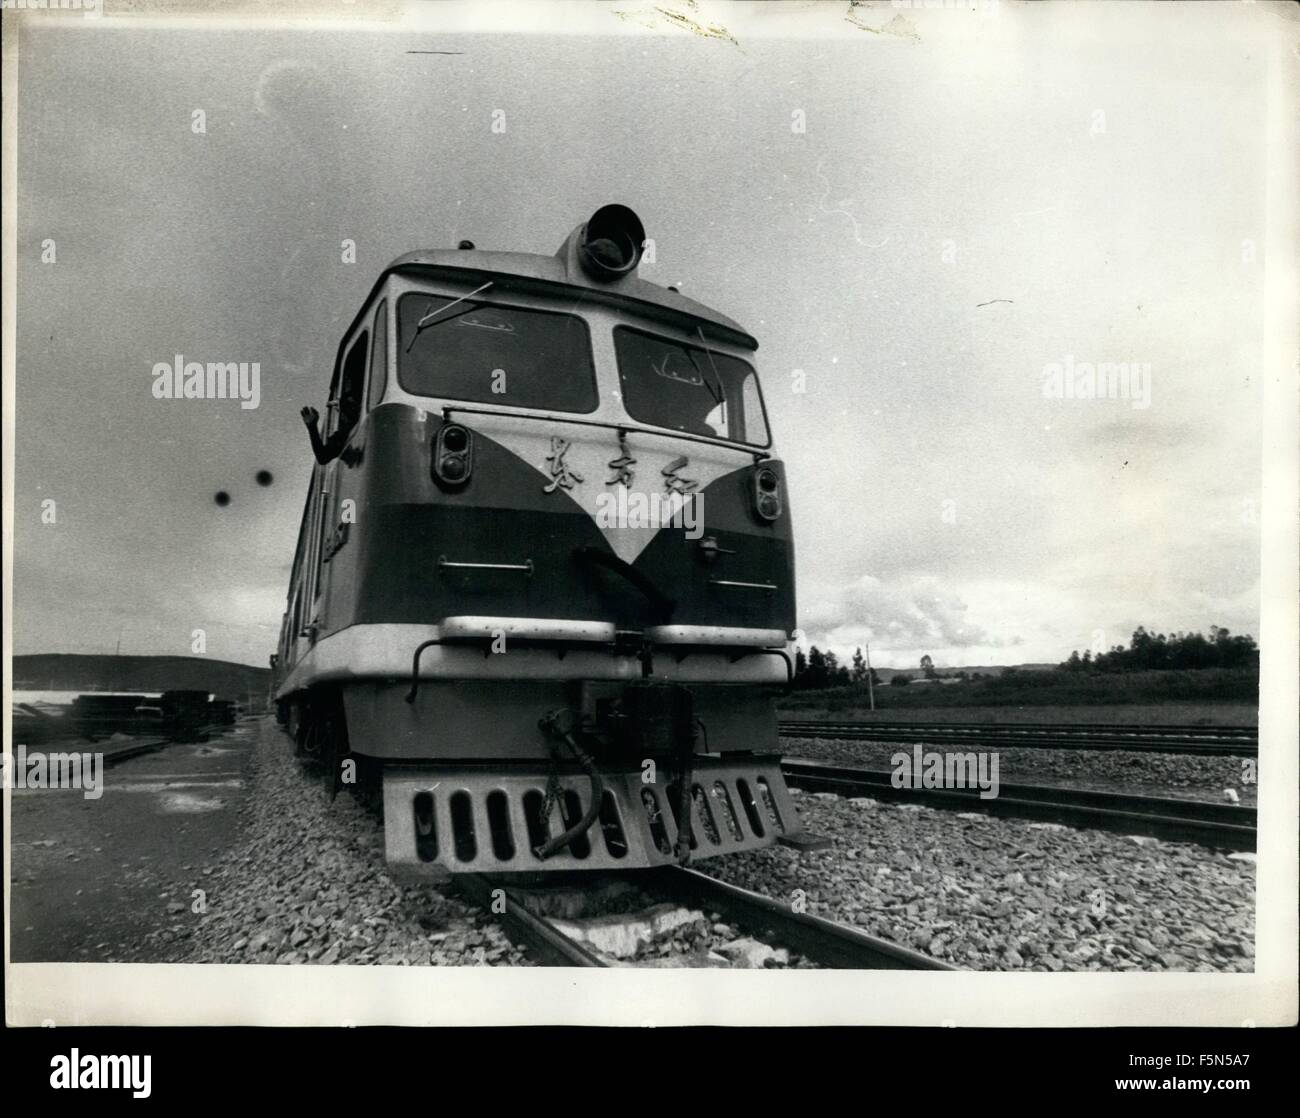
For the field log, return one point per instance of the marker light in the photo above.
(453, 455)
(767, 493)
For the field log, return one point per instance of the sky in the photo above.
(917, 213)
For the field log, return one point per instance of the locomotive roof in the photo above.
(523, 271)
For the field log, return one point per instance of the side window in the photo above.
(379, 356)
(352, 388)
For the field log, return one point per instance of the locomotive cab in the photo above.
(545, 590)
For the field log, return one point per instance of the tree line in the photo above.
(1177, 652)
(819, 670)
(1146, 652)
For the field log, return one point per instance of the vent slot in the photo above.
(704, 812)
(751, 807)
(611, 827)
(722, 798)
(655, 817)
(571, 807)
(674, 790)
(462, 827)
(426, 833)
(769, 802)
(498, 813)
(538, 832)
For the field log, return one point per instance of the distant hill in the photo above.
(58, 671)
(886, 674)
(995, 669)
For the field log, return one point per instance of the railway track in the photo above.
(821, 941)
(1238, 741)
(1226, 826)
(115, 753)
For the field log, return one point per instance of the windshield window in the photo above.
(689, 388)
(494, 355)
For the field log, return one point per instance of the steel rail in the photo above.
(1193, 733)
(126, 752)
(1194, 741)
(1143, 729)
(550, 946)
(823, 941)
(1226, 826)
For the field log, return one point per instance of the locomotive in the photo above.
(543, 596)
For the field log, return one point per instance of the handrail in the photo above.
(769, 586)
(613, 645)
(525, 567)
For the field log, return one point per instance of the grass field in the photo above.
(1212, 696)
(1173, 713)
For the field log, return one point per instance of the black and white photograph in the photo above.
(752, 513)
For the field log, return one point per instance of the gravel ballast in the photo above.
(1000, 894)
(1141, 774)
(307, 883)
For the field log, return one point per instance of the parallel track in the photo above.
(114, 752)
(132, 749)
(823, 942)
(1226, 826)
(1240, 741)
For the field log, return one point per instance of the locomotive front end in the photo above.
(561, 608)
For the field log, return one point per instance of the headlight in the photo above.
(453, 454)
(767, 493)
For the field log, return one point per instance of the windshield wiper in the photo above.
(719, 397)
(700, 373)
(427, 320)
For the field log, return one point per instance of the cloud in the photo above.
(901, 615)
(923, 450)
